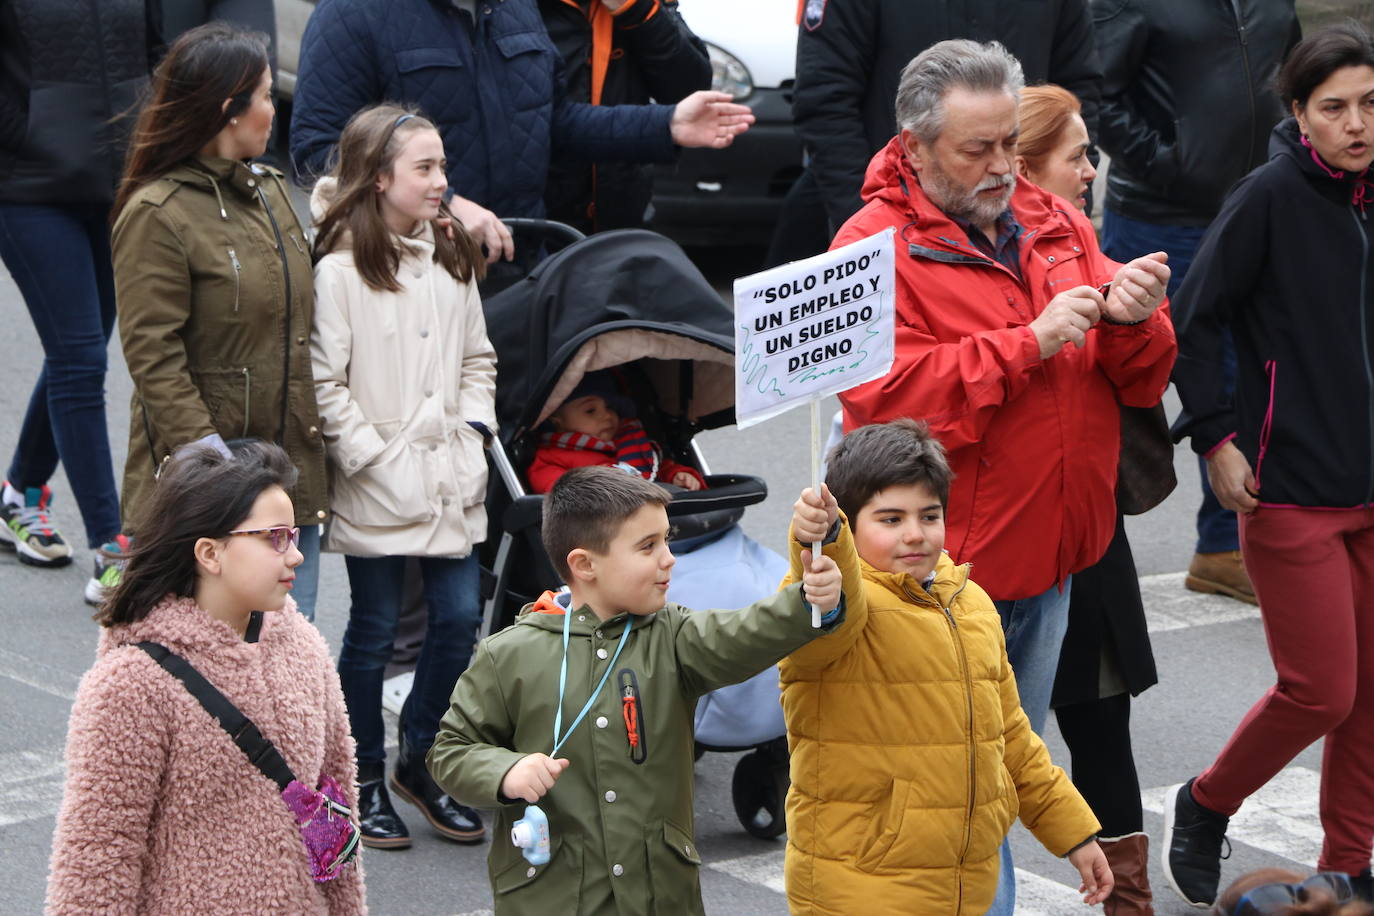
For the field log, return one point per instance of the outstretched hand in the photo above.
(813, 516)
(1092, 866)
(532, 777)
(707, 118)
(820, 581)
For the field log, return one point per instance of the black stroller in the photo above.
(632, 302)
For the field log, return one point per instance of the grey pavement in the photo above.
(1211, 654)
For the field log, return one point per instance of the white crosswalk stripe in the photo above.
(1035, 896)
(30, 785)
(1170, 606)
(1280, 818)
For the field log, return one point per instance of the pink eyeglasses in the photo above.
(283, 538)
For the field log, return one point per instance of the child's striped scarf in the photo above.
(634, 451)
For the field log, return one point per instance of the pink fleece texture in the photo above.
(162, 813)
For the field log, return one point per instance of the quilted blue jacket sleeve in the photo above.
(611, 133)
(337, 76)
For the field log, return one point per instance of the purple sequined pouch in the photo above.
(326, 825)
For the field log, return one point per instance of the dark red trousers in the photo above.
(1313, 573)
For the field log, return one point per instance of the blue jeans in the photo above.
(307, 587)
(1035, 629)
(1124, 239)
(452, 594)
(59, 256)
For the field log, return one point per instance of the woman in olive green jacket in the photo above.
(214, 280)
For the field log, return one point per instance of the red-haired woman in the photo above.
(214, 278)
(1106, 657)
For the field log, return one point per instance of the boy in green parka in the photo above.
(585, 704)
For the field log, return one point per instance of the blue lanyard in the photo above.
(563, 681)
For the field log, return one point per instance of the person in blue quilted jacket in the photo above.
(487, 73)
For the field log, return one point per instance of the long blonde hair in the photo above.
(368, 147)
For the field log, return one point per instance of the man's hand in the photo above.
(687, 480)
(532, 776)
(1232, 480)
(485, 227)
(1138, 289)
(1092, 866)
(813, 516)
(1067, 319)
(707, 118)
(820, 581)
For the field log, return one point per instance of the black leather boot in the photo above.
(412, 781)
(381, 827)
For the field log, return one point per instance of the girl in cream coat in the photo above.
(405, 379)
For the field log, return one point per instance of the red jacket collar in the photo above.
(891, 180)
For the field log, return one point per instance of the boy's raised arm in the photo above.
(470, 756)
(814, 518)
(716, 648)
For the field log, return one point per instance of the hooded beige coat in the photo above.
(399, 378)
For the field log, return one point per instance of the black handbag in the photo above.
(1145, 473)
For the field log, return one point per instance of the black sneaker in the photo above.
(1363, 884)
(1193, 836)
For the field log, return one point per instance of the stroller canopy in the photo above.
(614, 298)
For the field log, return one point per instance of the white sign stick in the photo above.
(815, 488)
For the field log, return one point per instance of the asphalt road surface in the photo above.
(1211, 654)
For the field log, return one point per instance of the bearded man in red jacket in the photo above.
(1009, 344)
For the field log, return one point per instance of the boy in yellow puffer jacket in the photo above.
(911, 756)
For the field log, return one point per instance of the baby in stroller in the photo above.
(596, 426)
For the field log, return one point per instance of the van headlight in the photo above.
(728, 73)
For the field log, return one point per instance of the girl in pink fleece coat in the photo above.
(162, 812)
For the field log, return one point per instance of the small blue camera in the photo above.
(531, 835)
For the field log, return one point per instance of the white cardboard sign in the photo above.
(813, 328)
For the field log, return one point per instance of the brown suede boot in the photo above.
(1220, 574)
(1128, 857)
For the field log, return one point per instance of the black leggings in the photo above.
(1098, 734)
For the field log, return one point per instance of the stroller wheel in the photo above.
(759, 790)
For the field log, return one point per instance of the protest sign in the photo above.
(813, 328)
(810, 329)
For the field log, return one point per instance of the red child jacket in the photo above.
(1033, 443)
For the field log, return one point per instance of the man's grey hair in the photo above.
(943, 66)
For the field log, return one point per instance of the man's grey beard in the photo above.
(956, 200)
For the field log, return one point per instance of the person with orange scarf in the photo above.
(617, 52)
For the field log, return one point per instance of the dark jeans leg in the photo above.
(1124, 239)
(375, 584)
(455, 611)
(1098, 734)
(59, 257)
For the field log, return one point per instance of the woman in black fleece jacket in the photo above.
(1287, 266)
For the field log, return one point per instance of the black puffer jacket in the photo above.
(1288, 266)
(1187, 99)
(850, 58)
(653, 56)
(67, 69)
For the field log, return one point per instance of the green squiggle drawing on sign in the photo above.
(753, 369)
